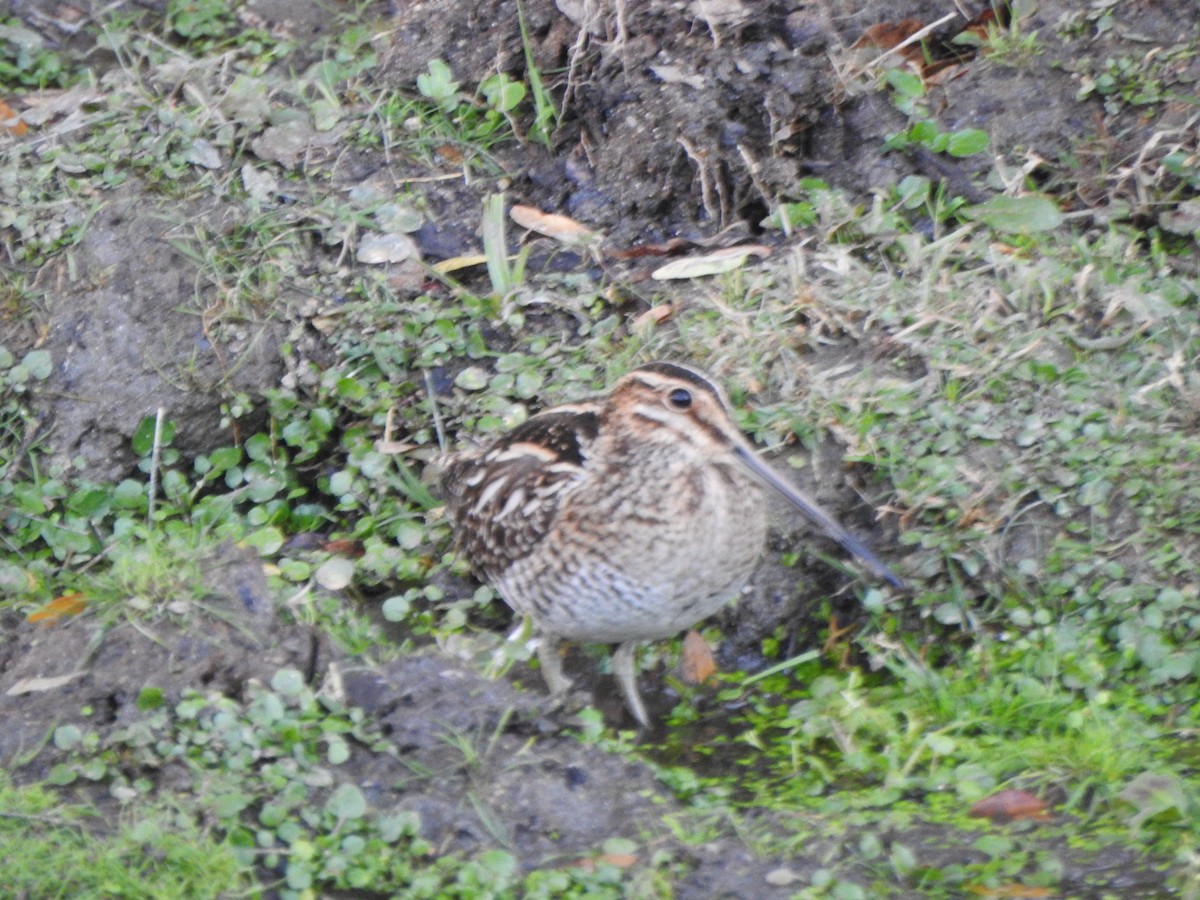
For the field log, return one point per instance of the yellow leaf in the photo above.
(70, 604)
(454, 263)
(561, 228)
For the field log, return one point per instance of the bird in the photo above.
(624, 518)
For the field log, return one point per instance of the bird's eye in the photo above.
(680, 398)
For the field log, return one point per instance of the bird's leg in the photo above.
(624, 667)
(551, 663)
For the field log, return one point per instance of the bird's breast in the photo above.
(643, 558)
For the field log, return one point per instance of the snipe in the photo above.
(626, 518)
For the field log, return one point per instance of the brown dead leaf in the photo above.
(696, 665)
(69, 604)
(886, 35)
(942, 71)
(11, 122)
(344, 547)
(448, 153)
(52, 103)
(655, 315)
(939, 54)
(561, 228)
(999, 16)
(666, 248)
(1009, 806)
(1011, 890)
(305, 540)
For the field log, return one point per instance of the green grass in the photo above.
(49, 848)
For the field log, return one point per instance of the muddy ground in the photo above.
(683, 119)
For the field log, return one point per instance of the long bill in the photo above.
(815, 514)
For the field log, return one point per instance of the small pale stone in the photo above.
(375, 249)
(782, 877)
(260, 185)
(335, 573)
(204, 154)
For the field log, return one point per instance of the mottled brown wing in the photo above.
(502, 501)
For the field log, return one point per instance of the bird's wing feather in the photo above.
(502, 501)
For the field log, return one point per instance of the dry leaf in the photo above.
(710, 263)
(10, 121)
(991, 17)
(305, 540)
(454, 263)
(561, 228)
(1009, 806)
(938, 54)
(448, 153)
(70, 604)
(42, 106)
(37, 685)
(1012, 890)
(343, 547)
(655, 315)
(325, 324)
(697, 664)
(940, 72)
(388, 444)
(666, 248)
(886, 35)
